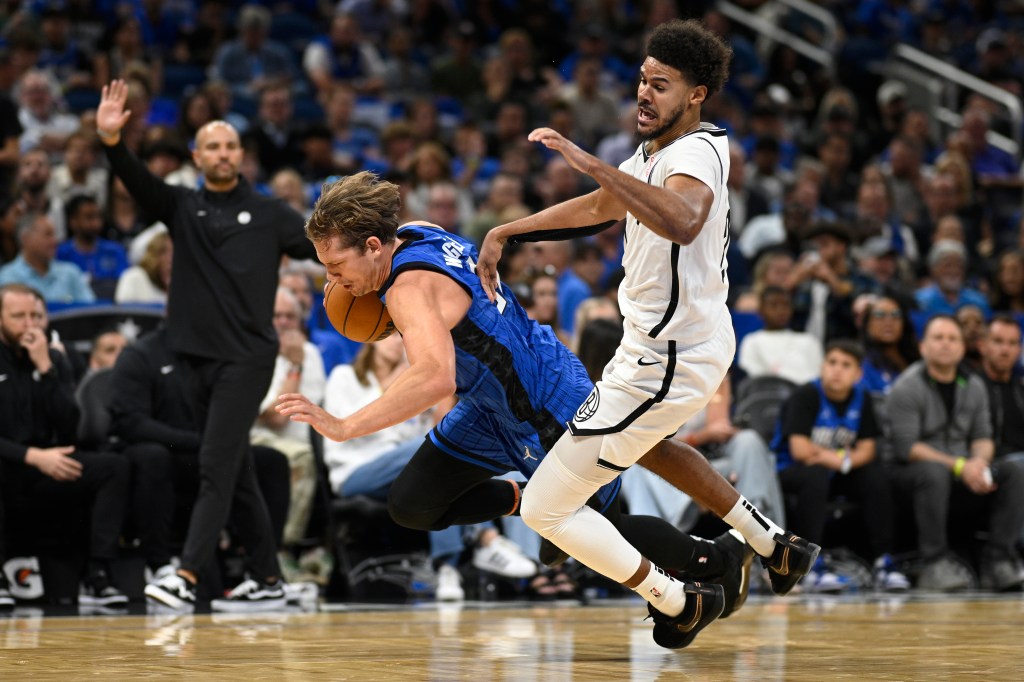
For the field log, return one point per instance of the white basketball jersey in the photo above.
(671, 291)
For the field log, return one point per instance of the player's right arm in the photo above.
(424, 306)
(577, 217)
(146, 188)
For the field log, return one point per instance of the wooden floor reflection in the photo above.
(771, 639)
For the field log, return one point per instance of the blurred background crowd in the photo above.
(875, 182)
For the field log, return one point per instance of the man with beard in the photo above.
(678, 342)
(228, 242)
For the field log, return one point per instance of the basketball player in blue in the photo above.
(678, 341)
(518, 388)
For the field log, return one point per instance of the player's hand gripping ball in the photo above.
(360, 318)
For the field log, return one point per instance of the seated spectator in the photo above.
(431, 166)
(80, 173)
(334, 348)
(877, 215)
(542, 303)
(106, 347)
(11, 211)
(44, 126)
(579, 281)
(369, 465)
(274, 132)
(889, 344)
(343, 55)
(36, 266)
(159, 424)
(771, 269)
(972, 322)
(100, 259)
(591, 309)
(354, 145)
(149, 281)
(1007, 288)
(826, 284)
(777, 350)
(942, 437)
(504, 194)
(43, 475)
(297, 369)
(947, 263)
(785, 228)
(31, 185)
(825, 442)
(250, 61)
(1000, 352)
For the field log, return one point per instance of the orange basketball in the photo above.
(360, 318)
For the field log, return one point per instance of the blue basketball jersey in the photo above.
(517, 384)
(830, 430)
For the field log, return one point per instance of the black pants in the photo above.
(49, 505)
(435, 491)
(164, 482)
(228, 397)
(936, 493)
(811, 487)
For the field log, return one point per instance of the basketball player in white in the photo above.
(678, 341)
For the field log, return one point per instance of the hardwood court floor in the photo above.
(770, 639)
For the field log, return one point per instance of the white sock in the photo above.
(758, 530)
(663, 591)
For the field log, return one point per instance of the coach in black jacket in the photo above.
(157, 424)
(228, 243)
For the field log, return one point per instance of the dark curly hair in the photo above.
(687, 46)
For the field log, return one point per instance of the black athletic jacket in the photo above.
(35, 410)
(227, 250)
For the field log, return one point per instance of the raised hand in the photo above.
(111, 114)
(576, 157)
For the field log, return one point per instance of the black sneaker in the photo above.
(97, 591)
(736, 579)
(173, 592)
(704, 604)
(551, 555)
(792, 559)
(6, 598)
(252, 595)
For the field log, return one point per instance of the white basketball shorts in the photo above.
(650, 389)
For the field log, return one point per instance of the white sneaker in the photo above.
(887, 578)
(252, 595)
(503, 557)
(301, 592)
(449, 584)
(173, 592)
(820, 580)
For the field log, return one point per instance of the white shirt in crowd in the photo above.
(796, 356)
(311, 385)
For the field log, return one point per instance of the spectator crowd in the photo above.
(876, 263)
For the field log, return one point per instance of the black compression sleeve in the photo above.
(561, 234)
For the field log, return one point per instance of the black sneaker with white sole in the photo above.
(252, 595)
(792, 559)
(97, 591)
(736, 579)
(172, 592)
(704, 604)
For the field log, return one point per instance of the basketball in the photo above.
(360, 318)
